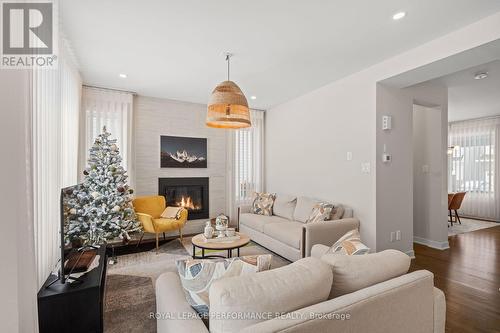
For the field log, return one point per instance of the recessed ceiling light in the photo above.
(253, 97)
(123, 76)
(480, 76)
(398, 16)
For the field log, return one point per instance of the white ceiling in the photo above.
(469, 98)
(283, 48)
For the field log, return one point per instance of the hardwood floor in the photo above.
(469, 274)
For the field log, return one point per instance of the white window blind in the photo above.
(113, 109)
(474, 166)
(246, 162)
(55, 103)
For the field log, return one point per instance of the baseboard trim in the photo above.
(410, 253)
(431, 243)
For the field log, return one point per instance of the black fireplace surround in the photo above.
(189, 192)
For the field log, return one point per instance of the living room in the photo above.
(227, 166)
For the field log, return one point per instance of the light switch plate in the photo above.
(349, 156)
(398, 235)
(365, 167)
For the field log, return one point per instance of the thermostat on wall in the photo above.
(386, 122)
(386, 158)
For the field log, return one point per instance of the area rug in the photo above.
(128, 304)
(469, 225)
(149, 264)
(130, 291)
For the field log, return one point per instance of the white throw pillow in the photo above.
(171, 213)
(284, 205)
(304, 209)
(352, 273)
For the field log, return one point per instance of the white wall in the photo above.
(395, 185)
(307, 138)
(306, 144)
(18, 284)
(434, 94)
(154, 117)
(427, 173)
(394, 181)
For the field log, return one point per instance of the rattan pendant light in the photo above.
(228, 106)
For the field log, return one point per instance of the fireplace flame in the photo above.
(187, 202)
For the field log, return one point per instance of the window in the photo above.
(55, 104)
(246, 162)
(113, 109)
(473, 166)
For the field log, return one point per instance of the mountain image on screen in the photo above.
(183, 152)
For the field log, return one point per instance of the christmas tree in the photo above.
(100, 209)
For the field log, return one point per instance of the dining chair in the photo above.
(456, 203)
(450, 198)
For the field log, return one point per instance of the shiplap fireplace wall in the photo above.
(154, 117)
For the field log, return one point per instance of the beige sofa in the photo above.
(312, 295)
(286, 231)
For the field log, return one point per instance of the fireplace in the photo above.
(190, 193)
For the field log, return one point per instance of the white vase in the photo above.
(209, 230)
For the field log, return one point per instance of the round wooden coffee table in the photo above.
(199, 241)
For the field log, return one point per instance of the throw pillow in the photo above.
(350, 244)
(321, 212)
(337, 212)
(172, 213)
(304, 208)
(197, 275)
(263, 203)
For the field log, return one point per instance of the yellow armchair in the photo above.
(148, 210)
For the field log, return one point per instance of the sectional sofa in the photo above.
(286, 231)
(322, 293)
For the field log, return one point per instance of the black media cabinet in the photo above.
(74, 307)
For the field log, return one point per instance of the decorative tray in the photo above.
(221, 239)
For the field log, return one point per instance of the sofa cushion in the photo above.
(304, 208)
(197, 275)
(289, 232)
(351, 273)
(257, 222)
(284, 206)
(238, 302)
(263, 203)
